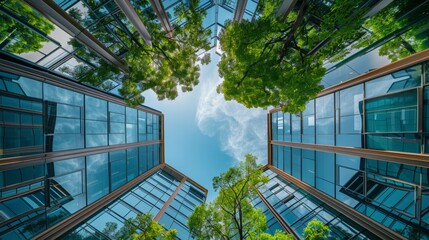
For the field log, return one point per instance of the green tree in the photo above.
(278, 60)
(315, 230)
(278, 235)
(142, 227)
(169, 63)
(231, 215)
(17, 38)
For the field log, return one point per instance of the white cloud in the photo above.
(239, 129)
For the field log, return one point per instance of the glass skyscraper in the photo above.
(361, 148)
(69, 151)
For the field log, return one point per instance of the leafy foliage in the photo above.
(142, 227)
(279, 60)
(278, 235)
(166, 64)
(232, 215)
(276, 60)
(16, 37)
(315, 230)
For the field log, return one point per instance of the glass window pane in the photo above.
(392, 113)
(403, 79)
(61, 95)
(97, 175)
(118, 169)
(95, 109)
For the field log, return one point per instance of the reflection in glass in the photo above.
(97, 175)
(400, 80)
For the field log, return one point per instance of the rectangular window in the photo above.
(287, 160)
(325, 172)
(116, 124)
(143, 160)
(349, 121)
(118, 169)
(325, 127)
(142, 126)
(296, 127)
(131, 125)
(64, 123)
(132, 163)
(392, 113)
(397, 81)
(274, 135)
(21, 108)
(308, 123)
(96, 122)
(296, 162)
(308, 167)
(97, 175)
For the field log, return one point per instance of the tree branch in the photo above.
(291, 33)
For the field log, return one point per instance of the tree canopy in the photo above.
(231, 215)
(169, 63)
(142, 227)
(315, 230)
(278, 60)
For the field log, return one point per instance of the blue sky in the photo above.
(204, 134)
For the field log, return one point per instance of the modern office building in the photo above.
(69, 151)
(361, 148)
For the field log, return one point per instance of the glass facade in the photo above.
(37, 117)
(150, 195)
(272, 223)
(386, 113)
(382, 114)
(183, 204)
(297, 207)
(82, 147)
(35, 198)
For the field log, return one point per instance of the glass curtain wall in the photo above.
(297, 208)
(38, 117)
(37, 197)
(382, 113)
(148, 196)
(386, 113)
